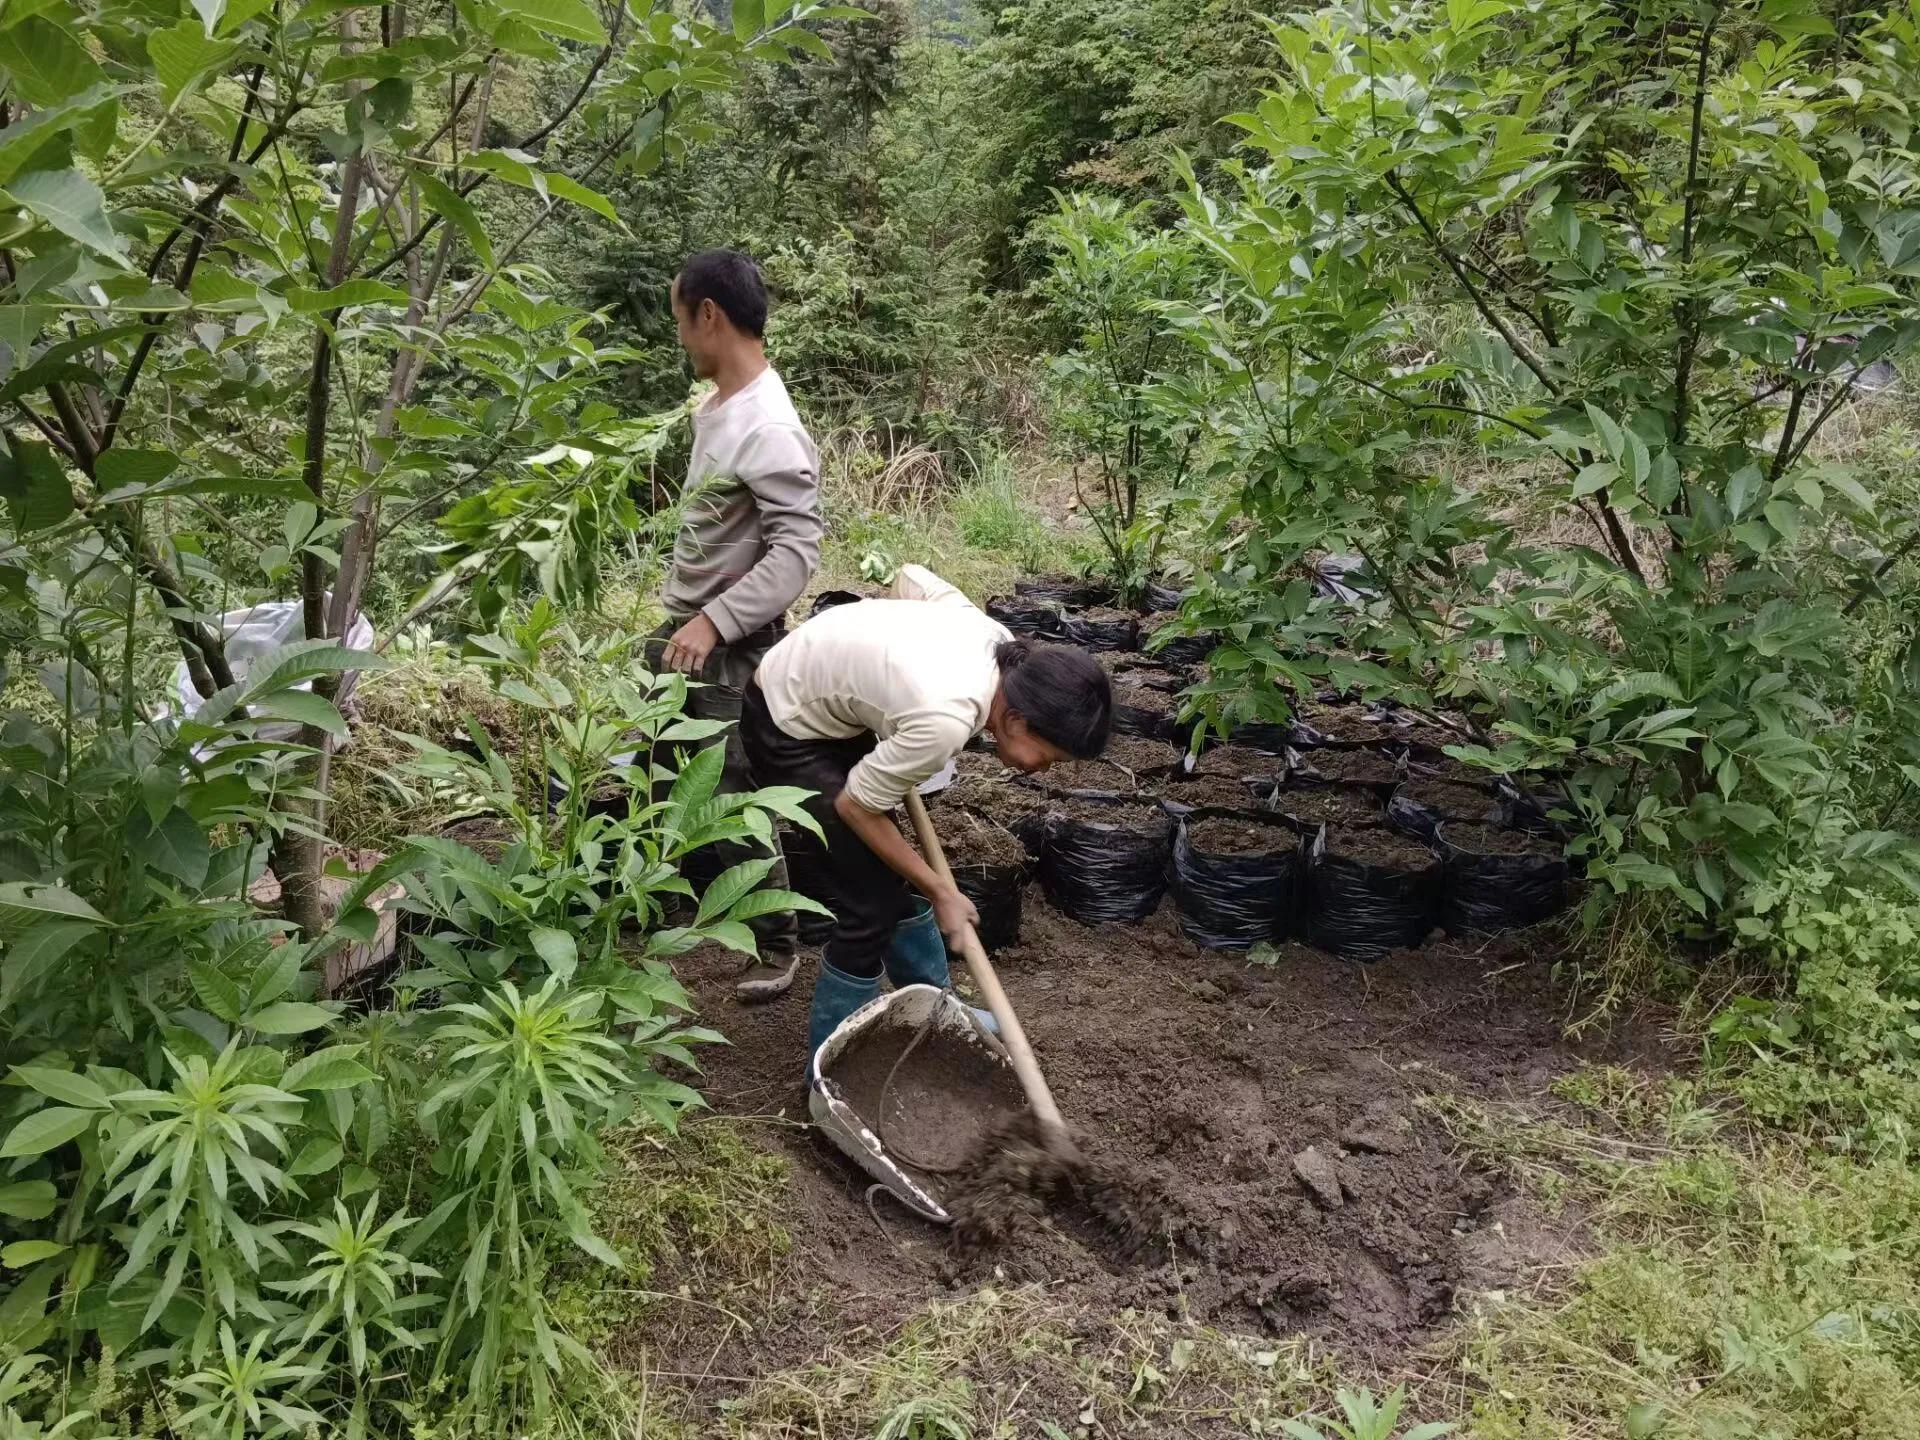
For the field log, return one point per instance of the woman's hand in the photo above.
(953, 912)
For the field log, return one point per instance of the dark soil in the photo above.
(1496, 840)
(487, 835)
(1212, 792)
(1101, 615)
(1219, 835)
(934, 1110)
(1141, 815)
(971, 839)
(1350, 767)
(1343, 724)
(1236, 762)
(1452, 800)
(1143, 690)
(1142, 756)
(1316, 805)
(1099, 775)
(1200, 1079)
(983, 764)
(1377, 845)
(1000, 800)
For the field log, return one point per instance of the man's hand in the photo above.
(688, 647)
(953, 912)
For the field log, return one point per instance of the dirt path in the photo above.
(1281, 1105)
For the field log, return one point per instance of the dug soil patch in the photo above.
(1285, 1111)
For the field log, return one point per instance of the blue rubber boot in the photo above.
(917, 955)
(836, 995)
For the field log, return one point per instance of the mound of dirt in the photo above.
(1451, 799)
(1211, 792)
(1220, 835)
(1315, 805)
(1237, 762)
(1199, 1081)
(970, 838)
(1378, 845)
(1497, 840)
(1349, 767)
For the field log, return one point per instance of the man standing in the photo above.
(749, 536)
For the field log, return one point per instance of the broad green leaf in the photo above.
(185, 54)
(768, 902)
(210, 12)
(1743, 488)
(28, 1199)
(46, 1130)
(730, 885)
(733, 935)
(568, 19)
(21, 141)
(303, 707)
(125, 465)
(31, 958)
(177, 846)
(23, 1253)
(442, 199)
(46, 62)
(305, 301)
(749, 18)
(567, 188)
(316, 1157)
(66, 1086)
(557, 949)
(72, 204)
(26, 903)
(289, 1017)
(35, 486)
(218, 992)
(335, 1068)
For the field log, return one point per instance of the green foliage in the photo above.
(1660, 314)
(1367, 1418)
(1111, 279)
(1840, 1047)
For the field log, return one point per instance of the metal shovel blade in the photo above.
(906, 1009)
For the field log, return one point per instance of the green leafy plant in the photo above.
(1546, 352)
(1368, 1417)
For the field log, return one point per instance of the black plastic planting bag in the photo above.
(995, 891)
(1485, 893)
(1037, 619)
(1096, 870)
(1230, 900)
(1362, 909)
(1063, 590)
(827, 599)
(1113, 632)
(1160, 597)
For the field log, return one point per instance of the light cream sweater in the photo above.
(750, 538)
(916, 670)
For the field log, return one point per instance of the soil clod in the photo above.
(1315, 1171)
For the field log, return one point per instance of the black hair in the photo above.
(1060, 691)
(732, 281)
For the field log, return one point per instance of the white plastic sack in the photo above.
(261, 630)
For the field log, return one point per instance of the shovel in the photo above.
(1053, 1129)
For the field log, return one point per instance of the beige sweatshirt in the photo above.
(750, 538)
(917, 671)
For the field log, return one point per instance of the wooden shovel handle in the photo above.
(1025, 1067)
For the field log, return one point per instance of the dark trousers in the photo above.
(724, 679)
(869, 898)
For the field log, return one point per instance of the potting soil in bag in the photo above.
(1217, 794)
(1021, 810)
(990, 866)
(1372, 769)
(1106, 860)
(1311, 806)
(1369, 890)
(1499, 879)
(1420, 807)
(1235, 881)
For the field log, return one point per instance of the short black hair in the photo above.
(1060, 691)
(732, 281)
